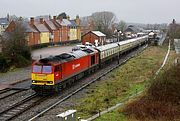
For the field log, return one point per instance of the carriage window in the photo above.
(47, 69)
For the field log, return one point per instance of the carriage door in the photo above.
(57, 73)
(92, 60)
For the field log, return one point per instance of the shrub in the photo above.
(3, 63)
(162, 98)
(21, 61)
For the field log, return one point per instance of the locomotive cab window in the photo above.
(37, 69)
(47, 69)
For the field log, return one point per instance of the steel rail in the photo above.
(16, 109)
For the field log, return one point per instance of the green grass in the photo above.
(112, 116)
(121, 83)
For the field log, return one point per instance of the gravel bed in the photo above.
(5, 103)
(7, 93)
(63, 106)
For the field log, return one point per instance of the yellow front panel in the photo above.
(42, 79)
(44, 37)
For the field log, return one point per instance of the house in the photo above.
(63, 25)
(73, 30)
(33, 36)
(132, 31)
(42, 29)
(54, 31)
(50, 30)
(94, 37)
(4, 22)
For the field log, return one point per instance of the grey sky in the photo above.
(140, 11)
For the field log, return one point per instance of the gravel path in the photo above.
(16, 75)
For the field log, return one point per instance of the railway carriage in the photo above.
(107, 52)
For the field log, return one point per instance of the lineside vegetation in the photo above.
(121, 83)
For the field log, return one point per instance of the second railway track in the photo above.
(9, 92)
(20, 107)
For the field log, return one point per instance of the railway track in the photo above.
(95, 78)
(20, 107)
(4, 90)
(9, 92)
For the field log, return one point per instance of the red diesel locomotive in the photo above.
(54, 73)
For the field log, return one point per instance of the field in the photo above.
(134, 76)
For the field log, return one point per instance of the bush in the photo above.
(21, 61)
(3, 63)
(162, 98)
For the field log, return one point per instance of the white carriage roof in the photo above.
(98, 33)
(130, 40)
(108, 46)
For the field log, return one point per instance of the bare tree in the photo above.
(122, 25)
(103, 21)
(15, 45)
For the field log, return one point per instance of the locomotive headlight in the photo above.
(50, 82)
(33, 81)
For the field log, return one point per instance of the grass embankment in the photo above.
(162, 100)
(121, 83)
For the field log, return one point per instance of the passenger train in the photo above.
(56, 72)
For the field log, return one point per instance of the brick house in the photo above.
(42, 29)
(33, 36)
(93, 36)
(54, 32)
(64, 29)
(4, 22)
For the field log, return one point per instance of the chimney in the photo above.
(32, 21)
(54, 18)
(77, 20)
(68, 17)
(41, 20)
(8, 17)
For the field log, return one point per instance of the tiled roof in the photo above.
(28, 28)
(134, 29)
(4, 21)
(98, 33)
(73, 23)
(50, 24)
(40, 27)
(64, 22)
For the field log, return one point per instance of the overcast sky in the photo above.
(139, 11)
